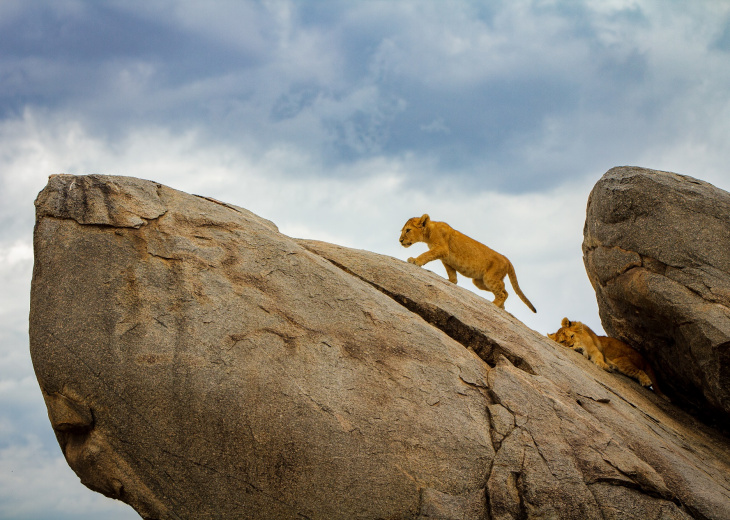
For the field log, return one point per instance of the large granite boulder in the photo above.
(196, 363)
(657, 251)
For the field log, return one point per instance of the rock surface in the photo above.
(657, 250)
(198, 364)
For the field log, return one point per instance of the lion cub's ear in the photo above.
(565, 322)
(424, 220)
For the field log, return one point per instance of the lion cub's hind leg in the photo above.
(500, 295)
(480, 284)
(495, 286)
(625, 366)
(644, 379)
(450, 272)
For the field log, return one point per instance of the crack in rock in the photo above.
(470, 337)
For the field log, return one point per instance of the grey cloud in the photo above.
(347, 81)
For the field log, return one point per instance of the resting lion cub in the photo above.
(462, 254)
(618, 355)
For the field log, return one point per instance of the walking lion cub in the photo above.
(608, 353)
(462, 254)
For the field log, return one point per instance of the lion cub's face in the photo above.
(564, 336)
(412, 231)
(567, 335)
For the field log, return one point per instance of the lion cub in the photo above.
(617, 354)
(462, 254)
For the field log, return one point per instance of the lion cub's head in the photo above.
(568, 334)
(413, 230)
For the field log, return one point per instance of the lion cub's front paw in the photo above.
(412, 260)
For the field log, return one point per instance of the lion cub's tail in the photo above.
(652, 376)
(516, 287)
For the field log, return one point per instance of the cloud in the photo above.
(595, 83)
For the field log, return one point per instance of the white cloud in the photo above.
(18, 252)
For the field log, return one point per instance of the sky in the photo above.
(339, 120)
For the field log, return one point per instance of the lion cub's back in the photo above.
(468, 256)
(614, 348)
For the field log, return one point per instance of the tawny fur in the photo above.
(573, 335)
(617, 354)
(462, 254)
